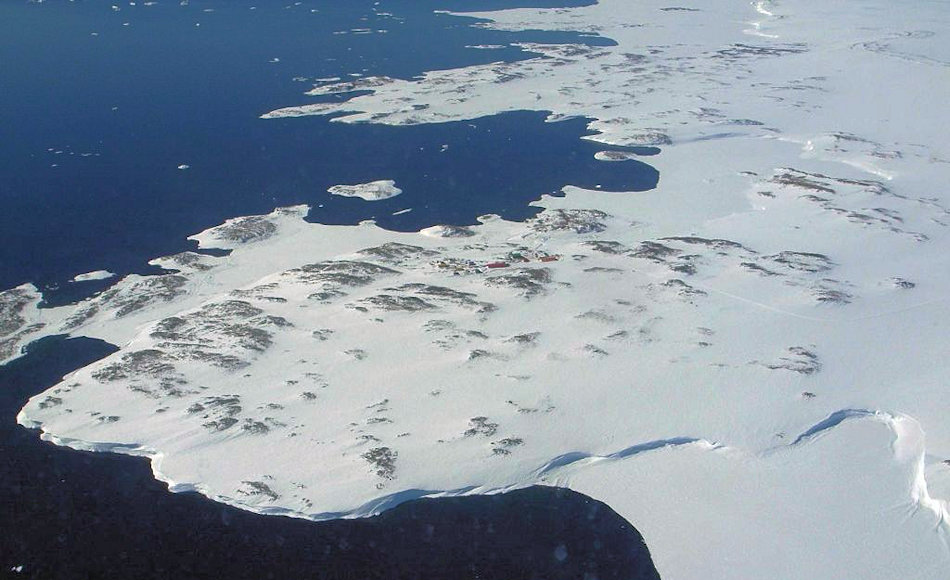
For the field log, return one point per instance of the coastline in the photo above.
(784, 273)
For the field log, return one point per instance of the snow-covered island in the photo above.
(95, 275)
(614, 156)
(748, 363)
(372, 191)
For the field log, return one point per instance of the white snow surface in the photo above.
(372, 191)
(748, 362)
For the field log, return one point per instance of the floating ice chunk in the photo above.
(183, 167)
(372, 191)
(94, 275)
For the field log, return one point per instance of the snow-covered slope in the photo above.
(747, 362)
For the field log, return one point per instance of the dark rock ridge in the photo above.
(580, 221)
(13, 328)
(246, 229)
(531, 281)
(130, 298)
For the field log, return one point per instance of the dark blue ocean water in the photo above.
(94, 127)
